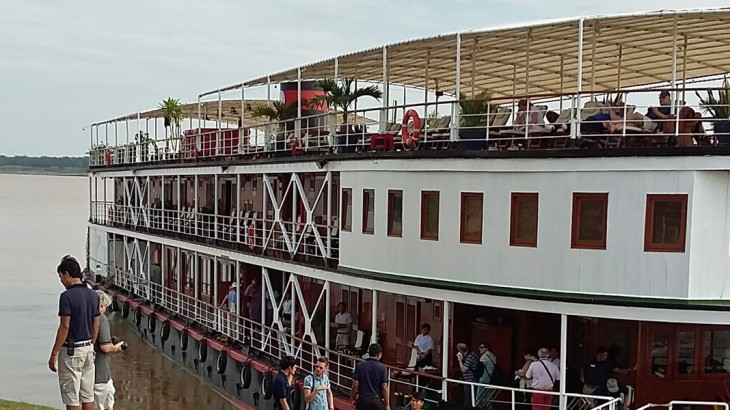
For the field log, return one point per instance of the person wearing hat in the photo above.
(664, 110)
(230, 299)
(612, 388)
(103, 384)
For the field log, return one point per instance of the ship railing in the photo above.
(314, 243)
(277, 338)
(682, 403)
(465, 124)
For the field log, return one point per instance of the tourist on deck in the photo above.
(287, 306)
(543, 374)
(269, 303)
(370, 382)
(72, 355)
(521, 375)
(555, 356)
(343, 323)
(252, 295)
(424, 344)
(612, 388)
(596, 372)
(281, 386)
(468, 362)
(103, 383)
(527, 115)
(663, 112)
(230, 299)
(416, 401)
(317, 389)
(489, 363)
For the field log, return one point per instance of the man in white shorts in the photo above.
(72, 355)
(103, 384)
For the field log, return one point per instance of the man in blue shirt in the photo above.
(317, 391)
(282, 384)
(370, 382)
(72, 355)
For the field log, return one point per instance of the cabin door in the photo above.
(407, 311)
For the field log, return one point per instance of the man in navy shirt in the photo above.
(73, 350)
(370, 382)
(282, 384)
(596, 372)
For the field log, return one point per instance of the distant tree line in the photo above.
(45, 162)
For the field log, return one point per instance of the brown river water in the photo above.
(41, 219)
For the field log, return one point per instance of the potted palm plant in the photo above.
(279, 112)
(341, 95)
(173, 114)
(474, 118)
(718, 108)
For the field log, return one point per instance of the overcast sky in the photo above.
(67, 63)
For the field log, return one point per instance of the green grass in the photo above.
(15, 405)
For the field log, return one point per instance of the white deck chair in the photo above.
(591, 108)
(411, 364)
(501, 117)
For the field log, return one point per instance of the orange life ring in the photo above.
(411, 139)
(250, 236)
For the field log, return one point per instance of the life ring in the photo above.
(245, 375)
(266, 385)
(137, 317)
(410, 140)
(251, 236)
(125, 309)
(202, 351)
(151, 323)
(183, 340)
(165, 331)
(221, 363)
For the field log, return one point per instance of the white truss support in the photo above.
(277, 215)
(142, 189)
(327, 305)
(309, 225)
(132, 208)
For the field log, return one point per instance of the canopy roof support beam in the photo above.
(455, 108)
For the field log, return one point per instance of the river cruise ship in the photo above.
(560, 185)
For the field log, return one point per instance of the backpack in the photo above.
(496, 377)
(479, 371)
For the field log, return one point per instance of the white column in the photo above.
(455, 108)
(195, 202)
(445, 333)
(575, 115)
(563, 358)
(215, 207)
(374, 318)
(386, 96)
(238, 212)
(327, 312)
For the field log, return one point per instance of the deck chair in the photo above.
(591, 108)
(411, 365)
(628, 398)
(357, 349)
(439, 133)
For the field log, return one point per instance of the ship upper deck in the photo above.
(563, 86)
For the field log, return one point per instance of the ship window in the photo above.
(659, 352)
(686, 352)
(346, 209)
(589, 221)
(368, 211)
(395, 213)
(472, 205)
(523, 219)
(666, 222)
(717, 351)
(430, 215)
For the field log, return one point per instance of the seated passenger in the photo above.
(611, 121)
(662, 113)
(527, 115)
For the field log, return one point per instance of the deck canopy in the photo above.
(618, 52)
(230, 112)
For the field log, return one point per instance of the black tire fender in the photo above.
(221, 363)
(137, 316)
(151, 323)
(296, 398)
(183, 340)
(202, 351)
(245, 375)
(115, 305)
(165, 331)
(125, 309)
(266, 383)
